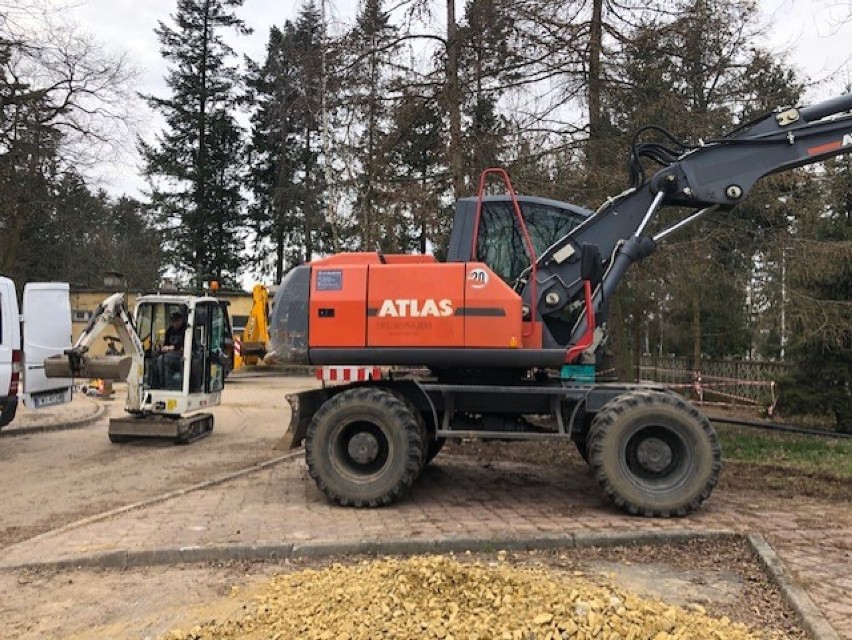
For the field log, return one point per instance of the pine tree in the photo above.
(273, 156)
(286, 176)
(371, 45)
(820, 284)
(194, 165)
(416, 156)
(488, 62)
(693, 77)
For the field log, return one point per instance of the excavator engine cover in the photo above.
(364, 301)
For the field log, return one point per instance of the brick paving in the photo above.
(80, 409)
(460, 497)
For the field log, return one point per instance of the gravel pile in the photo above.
(441, 597)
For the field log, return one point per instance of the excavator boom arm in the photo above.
(717, 174)
(77, 363)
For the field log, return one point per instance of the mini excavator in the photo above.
(164, 381)
(510, 325)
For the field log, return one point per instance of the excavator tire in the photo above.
(654, 454)
(424, 430)
(581, 441)
(433, 448)
(364, 447)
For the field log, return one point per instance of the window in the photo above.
(81, 315)
(500, 243)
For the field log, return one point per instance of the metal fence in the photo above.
(721, 382)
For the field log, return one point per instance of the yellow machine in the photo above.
(255, 336)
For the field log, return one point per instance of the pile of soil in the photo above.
(445, 598)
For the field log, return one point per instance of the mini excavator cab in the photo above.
(183, 343)
(174, 359)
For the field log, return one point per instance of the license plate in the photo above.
(48, 399)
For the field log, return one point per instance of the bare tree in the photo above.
(63, 106)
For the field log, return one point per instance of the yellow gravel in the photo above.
(440, 597)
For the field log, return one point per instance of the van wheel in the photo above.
(364, 447)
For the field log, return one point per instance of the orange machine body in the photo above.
(357, 300)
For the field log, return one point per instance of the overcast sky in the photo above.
(814, 31)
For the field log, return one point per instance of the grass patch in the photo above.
(807, 453)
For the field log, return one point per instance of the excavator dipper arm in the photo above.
(714, 175)
(77, 363)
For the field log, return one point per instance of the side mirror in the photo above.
(591, 267)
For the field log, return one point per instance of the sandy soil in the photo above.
(77, 473)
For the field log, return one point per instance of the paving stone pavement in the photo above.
(460, 497)
(80, 409)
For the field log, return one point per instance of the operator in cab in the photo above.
(173, 340)
(169, 362)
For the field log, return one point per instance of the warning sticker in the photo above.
(329, 280)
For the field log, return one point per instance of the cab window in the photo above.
(500, 243)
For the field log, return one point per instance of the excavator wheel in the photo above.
(424, 431)
(580, 437)
(433, 448)
(364, 447)
(654, 454)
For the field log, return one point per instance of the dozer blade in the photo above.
(115, 368)
(181, 430)
(302, 408)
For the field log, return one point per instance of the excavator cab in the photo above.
(499, 238)
(184, 345)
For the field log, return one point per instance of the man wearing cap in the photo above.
(171, 351)
(173, 340)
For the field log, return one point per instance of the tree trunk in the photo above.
(594, 84)
(201, 161)
(307, 213)
(279, 256)
(696, 329)
(453, 103)
(619, 341)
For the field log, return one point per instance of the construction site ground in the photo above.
(71, 497)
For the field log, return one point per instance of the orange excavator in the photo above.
(510, 327)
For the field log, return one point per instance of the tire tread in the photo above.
(626, 402)
(402, 415)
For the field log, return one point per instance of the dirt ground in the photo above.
(52, 479)
(78, 473)
(722, 577)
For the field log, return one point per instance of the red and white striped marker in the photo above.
(348, 374)
(238, 345)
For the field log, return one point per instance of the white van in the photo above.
(46, 331)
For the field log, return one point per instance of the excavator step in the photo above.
(181, 430)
